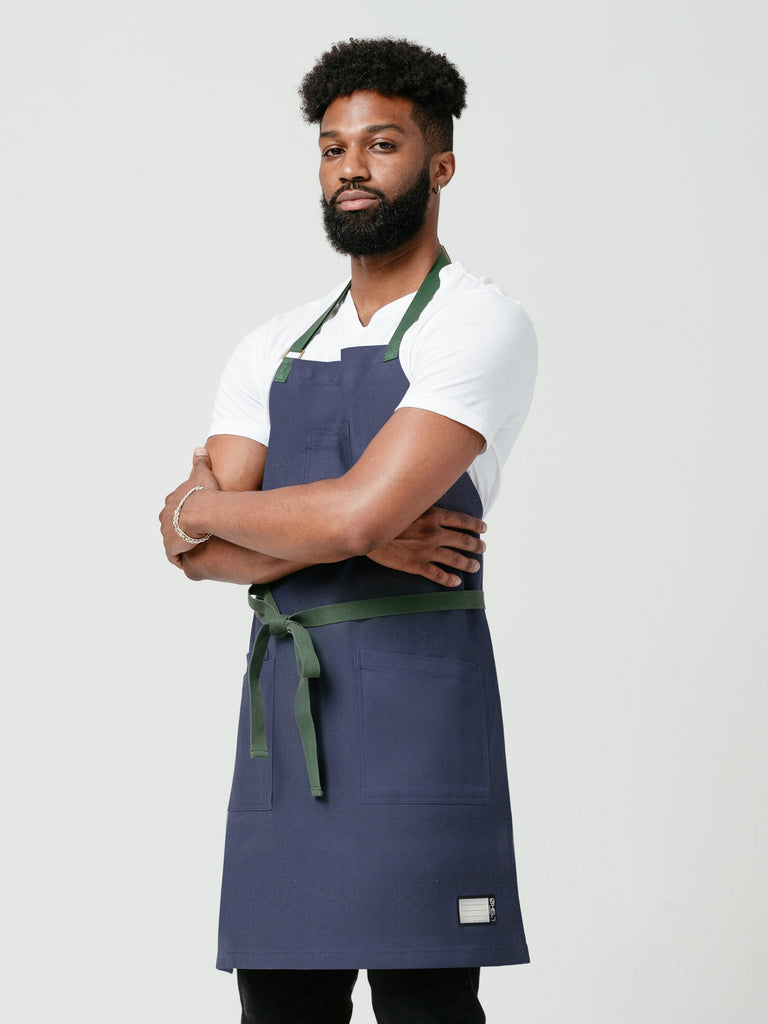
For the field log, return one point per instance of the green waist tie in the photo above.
(274, 623)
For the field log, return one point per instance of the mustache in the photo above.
(354, 188)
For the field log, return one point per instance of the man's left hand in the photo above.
(201, 476)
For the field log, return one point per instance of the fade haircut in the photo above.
(393, 67)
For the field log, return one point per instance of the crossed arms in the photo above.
(382, 508)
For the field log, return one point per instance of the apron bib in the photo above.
(406, 860)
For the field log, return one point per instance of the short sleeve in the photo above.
(241, 406)
(475, 362)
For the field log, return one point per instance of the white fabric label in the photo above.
(477, 910)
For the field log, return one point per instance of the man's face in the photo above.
(374, 173)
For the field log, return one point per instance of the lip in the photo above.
(355, 199)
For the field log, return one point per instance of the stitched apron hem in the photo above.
(394, 960)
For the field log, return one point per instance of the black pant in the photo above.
(442, 996)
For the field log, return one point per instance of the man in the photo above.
(377, 834)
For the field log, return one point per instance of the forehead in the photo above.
(362, 110)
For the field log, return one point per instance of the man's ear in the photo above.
(441, 168)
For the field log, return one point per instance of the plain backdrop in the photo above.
(160, 200)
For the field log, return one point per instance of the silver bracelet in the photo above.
(178, 529)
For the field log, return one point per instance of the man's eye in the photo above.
(333, 151)
(384, 145)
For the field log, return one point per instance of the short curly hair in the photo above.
(393, 67)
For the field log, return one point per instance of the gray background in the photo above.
(159, 200)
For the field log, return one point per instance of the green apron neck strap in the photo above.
(419, 303)
(301, 343)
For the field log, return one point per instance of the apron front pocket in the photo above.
(252, 782)
(423, 729)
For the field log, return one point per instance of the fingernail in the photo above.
(201, 451)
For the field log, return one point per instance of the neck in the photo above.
(379, 280)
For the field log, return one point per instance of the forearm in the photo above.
(227, 563)
(307, 523)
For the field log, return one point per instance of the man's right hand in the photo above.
(438, 536)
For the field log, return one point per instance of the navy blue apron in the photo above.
(407, 858)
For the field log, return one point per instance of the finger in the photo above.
(201, 459)
(462, 541)
(456, 560)
(459, 520)
(439, 575)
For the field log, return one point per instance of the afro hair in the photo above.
(393, 67)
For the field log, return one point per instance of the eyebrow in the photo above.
(370, 129)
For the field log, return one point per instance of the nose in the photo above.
(353, 166)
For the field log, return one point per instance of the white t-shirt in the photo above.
(470, 356)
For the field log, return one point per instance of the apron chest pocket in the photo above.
(423, 729)
(327, 453)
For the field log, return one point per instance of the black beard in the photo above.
(380, 228)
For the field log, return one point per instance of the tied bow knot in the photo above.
(278, 626)
(274, 623)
